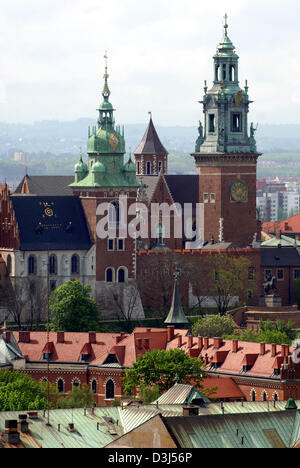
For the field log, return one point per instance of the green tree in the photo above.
(270, 333)
(148, 394)
(227, 277)
(19, 392)
(73, 309)
(78, 398)
(163, 369)
(213, 326)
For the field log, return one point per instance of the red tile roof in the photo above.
(289, 225)
(226, 388)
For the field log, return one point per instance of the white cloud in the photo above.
(51, 57)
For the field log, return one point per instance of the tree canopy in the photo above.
(73, 309)
(163, 369)
(19, 392)
(270, 333)
(213, 326)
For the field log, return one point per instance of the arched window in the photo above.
(276, 397)
(114, 214)
(159, 166)
(53, 265)
(121, 275)
(253, 396)
(264, 396)
(109, 275)
(60, 385)
(8, 264)
(138, 167)
(110, 390)
(76, 383)
(75, 266)
(32, 265)
(94, 387)
(148, 168)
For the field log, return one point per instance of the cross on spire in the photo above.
(226, 23)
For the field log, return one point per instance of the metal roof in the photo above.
(181, 394)
(252, 430)
(87, 435)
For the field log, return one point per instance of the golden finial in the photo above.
(226, 23)
(106, 75)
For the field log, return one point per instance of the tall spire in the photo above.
(176, 315)
(106, 92)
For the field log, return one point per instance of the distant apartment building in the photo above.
(21, 157)
(276, 201)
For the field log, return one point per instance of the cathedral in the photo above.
(49, 226)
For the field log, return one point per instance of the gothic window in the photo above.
(31, 265)
(94, 386)
(236, 122)
(8, 264)
(121, 275)
(109, 275)
(275, 397)
(253, 396)
(114, 214)
(232, 73)
(148, 168)
(211, 123)
(138, 167)
(76, 383)
(264, 396)
(60, 386)
(159, 166)
(75, 270)
(53, 265)
(224, 72)
(110, 390)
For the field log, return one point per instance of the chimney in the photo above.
(278, 234)
(262, 349)
(200, 342)
(206, 343)
(171, 332)
(33, 414)
(24, 426)
(218, 343)
(190, 410)
(235, 346)
(92, 337)
(24, 337)
(60, 337)
(274, 350)
(11, 434)
(179, 342)
(190, 340)
(71, 427)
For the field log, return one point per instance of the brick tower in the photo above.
(105, 182)
(226, 155)
(151, 157)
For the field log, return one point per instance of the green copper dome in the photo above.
(81, 167)
(130, 166)
(98, 167)
(106, 140)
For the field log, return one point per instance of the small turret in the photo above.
(176, 315)
(81, 170)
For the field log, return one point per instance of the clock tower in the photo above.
(226, 155)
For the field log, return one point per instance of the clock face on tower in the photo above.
(239, 192)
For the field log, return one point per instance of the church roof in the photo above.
(183, 188)
(151, 143)
(280, 257)
(51, 223)
(46, 185)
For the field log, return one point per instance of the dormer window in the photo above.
(85, 357)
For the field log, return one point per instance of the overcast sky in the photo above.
(160, 53)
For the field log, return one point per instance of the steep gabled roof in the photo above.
(56, 223)
(151, 143)
(183, 188)
(45, 185)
